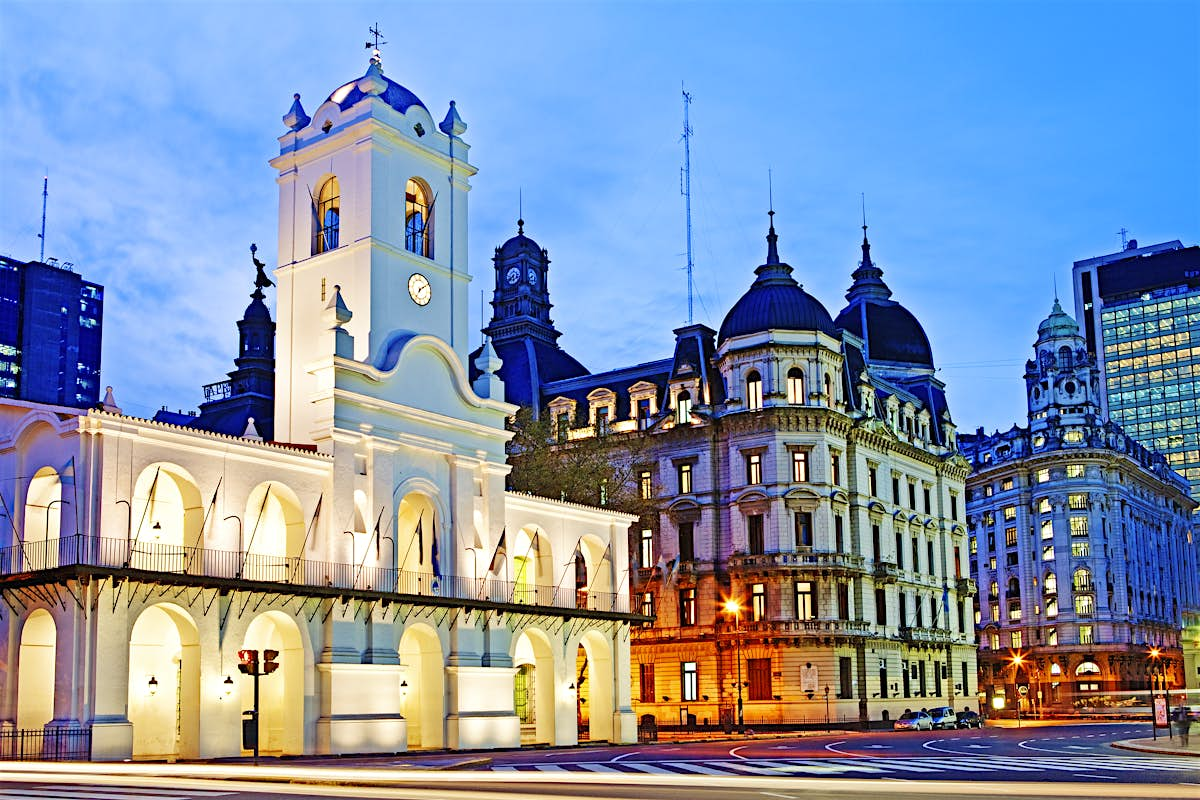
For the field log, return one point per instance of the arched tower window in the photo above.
(683, 408)
(418, 219)
(795, 386)
(754, 394)
(828, 389)
(1064, 357)
(327, 213)
(1081, 580)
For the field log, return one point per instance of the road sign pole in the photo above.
(256, 725)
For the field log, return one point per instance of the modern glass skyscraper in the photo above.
(1140, 314)
(50, 332)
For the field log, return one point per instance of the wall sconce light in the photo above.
(152, 685)
(571, 685)
(157, 526)
(778, 697)
(404, 689)
(666, 699)
(704, 696)
(228, 685)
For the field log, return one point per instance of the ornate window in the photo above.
(795, 386)
(799, 466)
(1050, 584)
(754, 392)
(683, 408)
(327, 216)
(418, 219)
(1081, 580)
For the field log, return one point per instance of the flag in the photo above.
(421, 539)
(946, 600)
(674, 570)
(499, 556)
(661, 566)
(580, 567)
(433, 560)
(634, 566)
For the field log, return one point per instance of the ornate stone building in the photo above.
(804, 468)
(1081, 543)
(411, 601)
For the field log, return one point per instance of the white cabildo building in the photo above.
(414, 602)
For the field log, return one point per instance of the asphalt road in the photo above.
(1056, 761)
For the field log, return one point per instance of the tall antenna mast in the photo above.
(42, 235)
(687, 194)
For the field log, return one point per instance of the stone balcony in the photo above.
(797, 563)
(966, 587)
(803, 627)
(926, 635)
(886, 572)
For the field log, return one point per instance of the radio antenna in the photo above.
(42, 235)
(687, 194)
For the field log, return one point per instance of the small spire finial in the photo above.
(863, 195)
(520, 212)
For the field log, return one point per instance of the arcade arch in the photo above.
(35, 671)
(273, 532)
(167, 516)
(595, 687)
(532, 567)
(423, 687)
(533, 687)
(280, 694)
(42, 520)
(416, 543)
(164, 683)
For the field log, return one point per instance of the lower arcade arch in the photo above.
(164, 684)
(533, 687)
(280, 694)
(595, 687)
(35, 671)
(423, 687)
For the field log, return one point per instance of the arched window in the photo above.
(1014, 588)
(754, 396)
(1050, 586)
(1081, 580)
(1088, 668)
(683, 408)
(327, 214)
(1064, 357)
(795, 386)
(828, 389)
(418, 219)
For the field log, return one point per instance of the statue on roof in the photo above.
(261, 281)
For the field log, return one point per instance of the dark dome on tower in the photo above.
(775, 301)
(519, 244)
(889, 330)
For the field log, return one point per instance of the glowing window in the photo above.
(795, 386)
(418, 219)
(326, 217)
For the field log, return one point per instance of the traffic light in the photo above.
(248, 661)
(269, 662)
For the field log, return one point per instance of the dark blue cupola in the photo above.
(889, 331)
(775, 301)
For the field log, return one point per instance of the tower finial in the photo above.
(864, 212)
(520, 212)
(772, 240)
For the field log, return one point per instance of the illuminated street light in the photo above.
(732, 606)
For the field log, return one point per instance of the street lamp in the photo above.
(1017, 660)
(1156, 670)
(733, 607)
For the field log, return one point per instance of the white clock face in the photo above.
(513, 275)
(418, 289)
(532, 275)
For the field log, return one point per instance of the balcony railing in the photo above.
(967, 587)
(806, 627)
(820, 561)
(886, 572)
(925, 635)
(218, 391)
(89, 551)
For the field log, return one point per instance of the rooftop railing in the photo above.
(226, 565)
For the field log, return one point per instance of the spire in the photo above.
(772, 240)
(868, 278)
(520, 212)
(453, 124)
(295, 118)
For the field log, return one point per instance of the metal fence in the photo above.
(96, 551)
(53, 744)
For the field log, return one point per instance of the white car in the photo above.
(913, 721)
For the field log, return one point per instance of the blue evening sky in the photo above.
(996, 144)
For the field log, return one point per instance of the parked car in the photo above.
(943, 717)
(969, 719)
(913, 721)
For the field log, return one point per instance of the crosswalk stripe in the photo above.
(700, 769)
(54, 794)
(90, 790)
(653, 769)
(598, 767)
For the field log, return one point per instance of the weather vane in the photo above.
(375, 32)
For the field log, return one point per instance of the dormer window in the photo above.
(754, 394)
(327, 215)
(603, 409)
(683, 408)
(642, 397)
(795, 387)
(418, 219)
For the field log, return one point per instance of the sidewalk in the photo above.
(1164, 744)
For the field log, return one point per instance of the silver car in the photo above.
(943, 717)
(913, 721)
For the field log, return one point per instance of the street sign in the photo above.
(1024, 690)
(1160, 712)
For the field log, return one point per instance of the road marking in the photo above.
(596, 766)
(1094, 777)
(832, 747)
(733, 752)
(979, 746)
(877, 747)
(654, 769)
(697, 768)
(776, 794)
(618, 758)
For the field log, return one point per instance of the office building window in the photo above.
(754, 393)
(758, 670)
(795, 386)
(1085, 634)
(1075, 470)
(1085, 605)
(646, 548)
(1043, 476)
(1043, 506)
(645, 484)
(799, 466)
(689, 681)
(753, 468)
(804, 533)
(646, 682)
(843, 600)
(806, 600)
(845, 677)
(912, 495)
(1077, 502)
(873, 481)
(839, 536)
(647, 607)
(880, 607)
(643, 413)
(835, 468)
(685, 478)
(1052, 637)
(1081, 549)
(758, 602)
(687, 607)
(926, 496)
(683, 408)
(896, 489)
(1048, 529)
(1014, 639)
(754, 534)
(1006, 485)
(1010, 513)
(1079, 526)
(687, 541)
(1010, 537)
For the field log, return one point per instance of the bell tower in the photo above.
(521, 300)
(1062, 381)
(372, 198)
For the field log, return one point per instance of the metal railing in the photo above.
(46, 744)
(94, 551)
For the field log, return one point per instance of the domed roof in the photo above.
(1057, 324)
(775, 302)
(889, 330)
(520, 244)
(392, 93)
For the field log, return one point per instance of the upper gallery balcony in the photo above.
(52, 560)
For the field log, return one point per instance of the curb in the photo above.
(1133, 744)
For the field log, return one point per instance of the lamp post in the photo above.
(1156, 671)
(827, 709)
(733, 607)
(1017, 661)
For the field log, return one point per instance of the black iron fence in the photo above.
(79, 550)
(52, 744)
